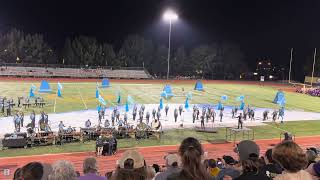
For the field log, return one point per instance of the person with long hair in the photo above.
(192, 168)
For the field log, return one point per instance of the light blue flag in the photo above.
(31, 94)
(127, 107)
(219, 106)
(186, 105)
(224, 97)
(97, 92)
(282, 101)
(60, 86)
(59, 93)
(98, 108)
(189, 95)
(241, 107)
(101, 100)
(240, 98)
(161, 104)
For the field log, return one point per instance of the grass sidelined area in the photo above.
(174, 137)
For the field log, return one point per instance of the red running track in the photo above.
(151, 155)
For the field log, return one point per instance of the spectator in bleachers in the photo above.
(292, 159)
(17, 174)
(212, 168)
(62, 170)
(314, 170)
(271, 168)
(156, 168)
(172, 162)
(229, 168)
(131, 167)
(245, 148)
(190, 152)
(47, 170)
(90, 170)
(250, 170)
(32, 171)
(311, 156)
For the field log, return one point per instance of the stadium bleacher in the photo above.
(120, 73)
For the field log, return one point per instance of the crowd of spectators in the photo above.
(286, 161)
(310, 91)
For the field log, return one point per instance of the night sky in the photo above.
(261, 28)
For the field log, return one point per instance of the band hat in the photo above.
(138, 160)
(172, 158)
(245, 148)
(229, 160)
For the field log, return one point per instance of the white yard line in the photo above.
(82, 98)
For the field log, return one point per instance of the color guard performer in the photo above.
(240, 122)
(175, 114)
(166, 109)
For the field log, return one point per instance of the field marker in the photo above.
(82, 98)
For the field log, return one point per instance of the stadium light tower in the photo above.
(169, 16)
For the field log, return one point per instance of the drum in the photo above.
(155, 125)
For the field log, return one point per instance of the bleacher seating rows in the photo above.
(73, 72)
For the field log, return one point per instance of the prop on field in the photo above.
(224, 97)
(186, 104)
(219, 106)
(105, 83)
(167, 92)
(240, 98)
(198, 86)
(32, 88)
(241, 107)
(101, 100)
(59, 89)
(45, 87)
(161, 103)
(279, 96)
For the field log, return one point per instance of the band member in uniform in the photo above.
(204, 112)
(281, 114)
(87, 123)
(103, 111)
(180, 109)
(194, 115)
(33, 120)
(143, 107)
(213, 114)
(265, 115)
(252, 114)
(208, 115)
(9, 110)
(106, 123)
(61, 127)
(221, 114)
(235, 110)
(2, 103)
(147, 117)
(154, 113)
(117, 115)
(202, 122)
(134, 114)
(274, 115)
(125, 118)
(245, 113)
(16, 121)
(19, 101)
(140, 114)
(240, 122)
(158, 115)
(35, 101)
(166, 109)
(233, 113)
(21, 118)
(198, 113)
(113, 117)
(175, 114)
(99, 116)
(46, 118)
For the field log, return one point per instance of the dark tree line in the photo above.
(216, 60)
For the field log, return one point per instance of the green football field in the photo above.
(81, 95)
